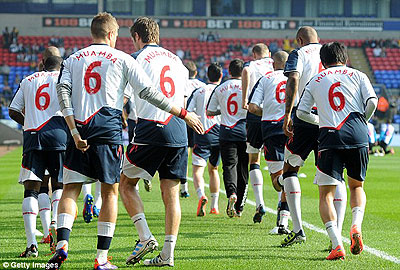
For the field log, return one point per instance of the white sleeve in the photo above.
(18, 102)
(306, 101)
(212, 105)
(128, 92)
(367, 91)
(258, 93)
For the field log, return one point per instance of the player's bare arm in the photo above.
(211, 113)
(254, 109)
(291, 92)
(245, 85)
(16, 116)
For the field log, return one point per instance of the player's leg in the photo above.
(106, 222)
(31, 175)
(199, 162)
(30, 209)
(141, 161)
(284, 214)
(328, 176)
(213, 162)
(356, 165)
(87, 202)
(44, 209)
(242, 177)
(229, 158)
(170, 170)
(328, 216)
(184, 188)
(340, 202)
(254, 144)
(97, 200)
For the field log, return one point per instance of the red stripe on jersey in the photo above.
(130, 161)
(159, 122)
(277, 120)
(87, 120)
(39, 127)
(208, 130)
(340, 125)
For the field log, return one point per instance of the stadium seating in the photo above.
(386, 69)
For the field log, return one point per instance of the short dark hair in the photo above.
(191, 66)
(332, 53)
(236, 67)
(53, 63)
(147, 30)
(214, 72)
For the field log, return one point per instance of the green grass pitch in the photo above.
(218, 242)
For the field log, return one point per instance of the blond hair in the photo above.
(102, 24)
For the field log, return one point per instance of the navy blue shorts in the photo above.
(143, 161)
(190, 135)
(34, 164)
(131, 128)
(304, 140)
(254, 135)
(203, 153)
(331, 163)
(274, 148)
(100, 162)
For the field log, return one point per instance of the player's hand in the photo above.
(124, 123)
(193, 121)
(244, 104)
(288, 126)
(80, 144)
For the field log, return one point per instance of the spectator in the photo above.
(210, 37)
(188, 54)
(14, 35)
(231, 46)
(377, 51)
(62, 51)
(202, 37)
(7, 91)
(13, 48)
(180, 53)
(217, 37)
(5, 70)
(286, 45)
(6, 38)
(238, 46)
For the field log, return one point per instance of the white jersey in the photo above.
(37, 94)
(197, 103)
(307, 62)
(98, 75)
(192, 85)
(387, 132)
(371, 133)
(341, 94)
(270, 95)
(170, 77)
(226, 97)
(257, 69)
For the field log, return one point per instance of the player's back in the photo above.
(169, 76)
(44, 126)
(193, 84)
(258, 68)
(233, 116)
(98, 75)
(340, 94)
(197, 103)
(306, 61)
(40, 98)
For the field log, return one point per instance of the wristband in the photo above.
(183, 113)
(74, 131)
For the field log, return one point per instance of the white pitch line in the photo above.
(373, 251)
